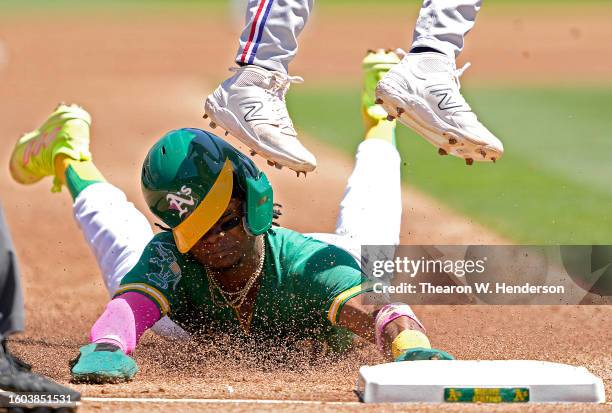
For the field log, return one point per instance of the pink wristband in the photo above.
(389, 313)
(124, 321)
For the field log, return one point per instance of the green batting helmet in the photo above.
(187, 180)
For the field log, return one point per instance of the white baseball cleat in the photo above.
(422, 91)
(251, 106)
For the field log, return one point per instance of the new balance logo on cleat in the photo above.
(445, 99)
(252, 111)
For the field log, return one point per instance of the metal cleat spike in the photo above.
(390, 118)
(213, 125)
(400, 111)
(253, 153)
(278, 166)
(379, 101)
(226, 133)
(452, 141)
(469, 161)
(493, 159)
(270, 163)
(442, 152)
(205, 116)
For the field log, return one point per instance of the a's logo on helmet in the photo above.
(181, 200)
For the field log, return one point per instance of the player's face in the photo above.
(226, 243)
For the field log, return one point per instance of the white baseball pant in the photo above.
(270, 36)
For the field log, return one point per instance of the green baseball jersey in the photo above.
(303, 285)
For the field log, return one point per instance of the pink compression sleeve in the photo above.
(124, 321)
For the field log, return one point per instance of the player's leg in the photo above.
(443, 24)
(371, 208)
(423, 91)
(251, 104)
(270, 37)
(114, 229)
(15, 375)
(11, 296)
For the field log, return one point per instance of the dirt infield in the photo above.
(140, 77)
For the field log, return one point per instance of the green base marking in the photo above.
(486, 395)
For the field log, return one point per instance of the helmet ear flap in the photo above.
(245, 225)
(259, 205)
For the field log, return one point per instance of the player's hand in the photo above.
(102, 363)
(422, 353)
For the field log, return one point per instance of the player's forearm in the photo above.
(398, 329)
(395, 327)
(392, 327)
(124, 321)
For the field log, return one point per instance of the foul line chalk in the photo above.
(206, 401)
(217, 401)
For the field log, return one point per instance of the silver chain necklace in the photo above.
(235, 299)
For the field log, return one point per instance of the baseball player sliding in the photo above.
(221, 265)
(422, 91)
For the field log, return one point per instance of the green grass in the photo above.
(553, 184)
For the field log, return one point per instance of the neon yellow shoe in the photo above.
(65, 132)
(375, 65)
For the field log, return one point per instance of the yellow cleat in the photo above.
(375, 65)
(65, 132)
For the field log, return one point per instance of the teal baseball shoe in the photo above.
(101, 363)
(422, 353)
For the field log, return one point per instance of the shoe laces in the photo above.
(457, 73)
(401, 53)
(280, 81)
(279, 86)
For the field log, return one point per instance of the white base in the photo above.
(426, 381)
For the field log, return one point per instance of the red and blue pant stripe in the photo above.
(257, 28)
